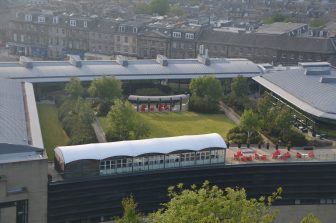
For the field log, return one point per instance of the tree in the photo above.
(316, 23)
(310, 218)
(176, 10)
(249, 121)
(240, 87)
(125, 122)
(205, 94)
(212, 204)
(160, 7)
(283, 120)
(74, 88)
(142, 8)
(105, 88)
(130, 214)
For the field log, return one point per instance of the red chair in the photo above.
(277, 152)
(236, 157)
(298, 155)
(263, 157)
(151, 109)
(257, 156)
(239, 153)
(275, 155)
(311, 155)
(249, 158)
(243, 158)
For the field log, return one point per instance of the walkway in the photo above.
(99, 131)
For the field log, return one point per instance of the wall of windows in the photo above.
(160, 161)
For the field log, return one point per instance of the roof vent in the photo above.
(26, 62)
(317, 71)
(162, 60)
(314, 64)
(328, 80)
(122, 60)
(75, 60)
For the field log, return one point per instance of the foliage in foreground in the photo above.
(209, 204)
(212, 204)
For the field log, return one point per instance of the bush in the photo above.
(237, 135)
(295, 138)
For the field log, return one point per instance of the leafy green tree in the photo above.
(176, 10)
(142, 8)
(316, 23)
(130, 214)
(310, 218)
(283, 120)
(205, 94)
(160, 7)
(212, 204)
(74, 88)
(125, 122)
(105, 88)
(240, 87)
(249, 121)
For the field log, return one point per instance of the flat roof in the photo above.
(133, 148)
(63, 71)
(307, 92)
(279, 27)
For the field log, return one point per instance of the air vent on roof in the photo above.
(314, 64)
(162, 60)
(329, 80)
(317, 71)
(26, 62)
(75, 60)
(122, 60)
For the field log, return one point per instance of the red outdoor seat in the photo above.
(311, 155)
(249, 158)
(275, 155)
(263, 157)
(298, 155)
(257, 156)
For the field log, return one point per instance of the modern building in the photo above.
(310, 88)
(23, 162)
(139, 155)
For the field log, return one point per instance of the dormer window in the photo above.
(28, 17)
(135, 29)
(72, 22)
(121, 28)
(189, 36)
(55, 20)
(41, 19)
(176, 34)
(85, 24)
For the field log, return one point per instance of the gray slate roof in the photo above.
(61, 71)
(311, 45)
(12, 115)
(304, 91)
(279, 27)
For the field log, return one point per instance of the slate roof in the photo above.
(311, 45)
(12, 113)
(304, 91)
(279, 28)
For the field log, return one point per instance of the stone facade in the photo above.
(23, 191)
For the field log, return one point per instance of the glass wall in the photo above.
(153, 162)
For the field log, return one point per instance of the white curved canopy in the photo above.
(100, 151)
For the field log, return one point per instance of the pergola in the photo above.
(162, 103)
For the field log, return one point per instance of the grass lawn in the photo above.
(52, 131)
(184, 123)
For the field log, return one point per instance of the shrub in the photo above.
(237, 135)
